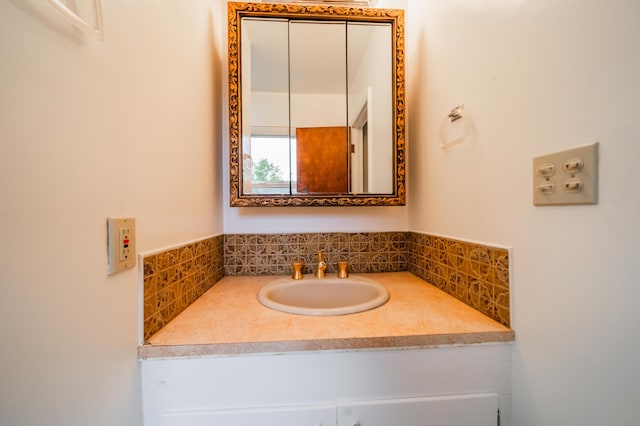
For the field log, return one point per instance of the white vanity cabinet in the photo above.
(456, 410)
(444, 386)
(320, 415)
(451, 410)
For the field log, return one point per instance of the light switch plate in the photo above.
(566, 177)
(121, 244)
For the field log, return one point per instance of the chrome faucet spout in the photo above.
(321, 266)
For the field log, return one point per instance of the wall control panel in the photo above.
(566, 177)
(121, 244)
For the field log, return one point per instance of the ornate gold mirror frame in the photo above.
(238, 10)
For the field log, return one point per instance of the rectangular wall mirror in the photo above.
(316, 105)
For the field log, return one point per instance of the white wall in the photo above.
(89, 129)
(536, 77)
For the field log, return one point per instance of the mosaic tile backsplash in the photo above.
(476, 274)
(272, 254)
(175, 278)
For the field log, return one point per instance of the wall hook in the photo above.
(456, 113)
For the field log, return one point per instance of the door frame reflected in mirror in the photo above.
(395, 17)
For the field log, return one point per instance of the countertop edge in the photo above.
(149, 351)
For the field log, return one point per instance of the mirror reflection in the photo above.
(320, 107)
(318, 111)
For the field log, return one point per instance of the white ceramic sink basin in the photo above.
(325, 296)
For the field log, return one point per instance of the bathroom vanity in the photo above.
(421, 358)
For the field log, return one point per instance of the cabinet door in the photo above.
(454, 410)
(308, 415)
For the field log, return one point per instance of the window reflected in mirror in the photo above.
(271, 163)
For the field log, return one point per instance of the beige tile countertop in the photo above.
(228, 319)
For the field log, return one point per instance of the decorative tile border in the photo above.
(175, 278)
(475, 274)
(272, 254)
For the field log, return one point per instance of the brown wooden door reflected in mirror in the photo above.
(322, 154)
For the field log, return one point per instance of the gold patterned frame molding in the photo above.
(238, 10)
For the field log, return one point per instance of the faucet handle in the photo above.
(342, 269)
(297, 269)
